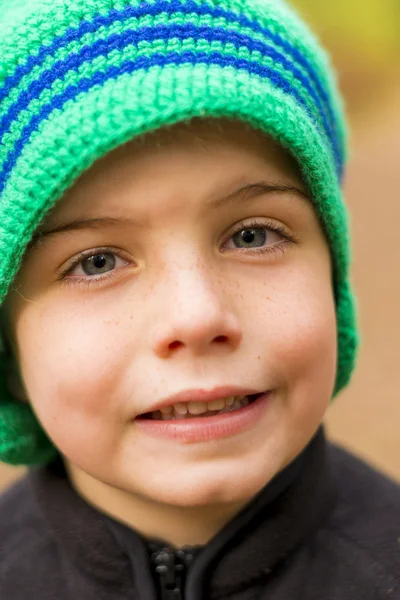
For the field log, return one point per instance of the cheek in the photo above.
(298, 320)
(73, 368)
(306, 328)
(297, 326)
(307, 359)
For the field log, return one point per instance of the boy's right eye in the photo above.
(94, 263)
(98, 263)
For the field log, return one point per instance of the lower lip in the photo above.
(203, 429)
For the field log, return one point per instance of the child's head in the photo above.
(139, 286)
(199, 240)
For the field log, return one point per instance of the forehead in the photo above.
(201, 135)
(214, 154)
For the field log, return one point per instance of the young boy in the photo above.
(176, 313)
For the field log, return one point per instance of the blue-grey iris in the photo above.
(249, 237)
(98, 263)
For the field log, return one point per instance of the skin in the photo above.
(184, 307)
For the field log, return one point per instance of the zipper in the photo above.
(171, 568)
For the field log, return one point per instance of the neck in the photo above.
(176, 525)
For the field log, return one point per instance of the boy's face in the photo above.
(175, 299)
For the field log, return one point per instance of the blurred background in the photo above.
(364, 41)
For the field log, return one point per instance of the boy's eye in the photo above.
(250, 237)
(254, 237)
(97, 263)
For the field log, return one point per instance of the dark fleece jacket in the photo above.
(327, 528)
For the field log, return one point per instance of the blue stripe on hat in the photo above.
(130, 66)
(171, 8)
(161, 32)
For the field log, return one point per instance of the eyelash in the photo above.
(283, 246)
(79, 258)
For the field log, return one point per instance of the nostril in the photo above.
(221, 338)
(175, 344)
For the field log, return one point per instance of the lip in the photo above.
(204, 429)
(202, 395)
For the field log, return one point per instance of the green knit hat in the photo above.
(79, 77)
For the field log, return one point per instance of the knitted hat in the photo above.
(80, 77)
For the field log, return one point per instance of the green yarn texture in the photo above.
(78, 78)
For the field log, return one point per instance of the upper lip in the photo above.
(201, 395)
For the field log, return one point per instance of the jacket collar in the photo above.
(250, 547)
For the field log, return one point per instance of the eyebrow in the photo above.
(252, 190)
(244, 193)
(90, 223)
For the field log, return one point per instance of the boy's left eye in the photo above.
(255, 236)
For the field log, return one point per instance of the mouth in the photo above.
(212, 416)
(191, 409)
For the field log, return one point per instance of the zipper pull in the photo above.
(169, 575)
(171, 568)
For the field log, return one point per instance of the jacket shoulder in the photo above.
(19, 520)
(366, 518)
(26, 548)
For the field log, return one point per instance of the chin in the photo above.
(235, 487)
(201, 497)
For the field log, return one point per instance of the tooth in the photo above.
(236, 404)
(216, 404)
(229, 401)
(245, 401)
(181, 408)
(156, 415)
(165, 417)
(197, 408)
(227, 408)
(166, 410)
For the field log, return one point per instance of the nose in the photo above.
(197, 315)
